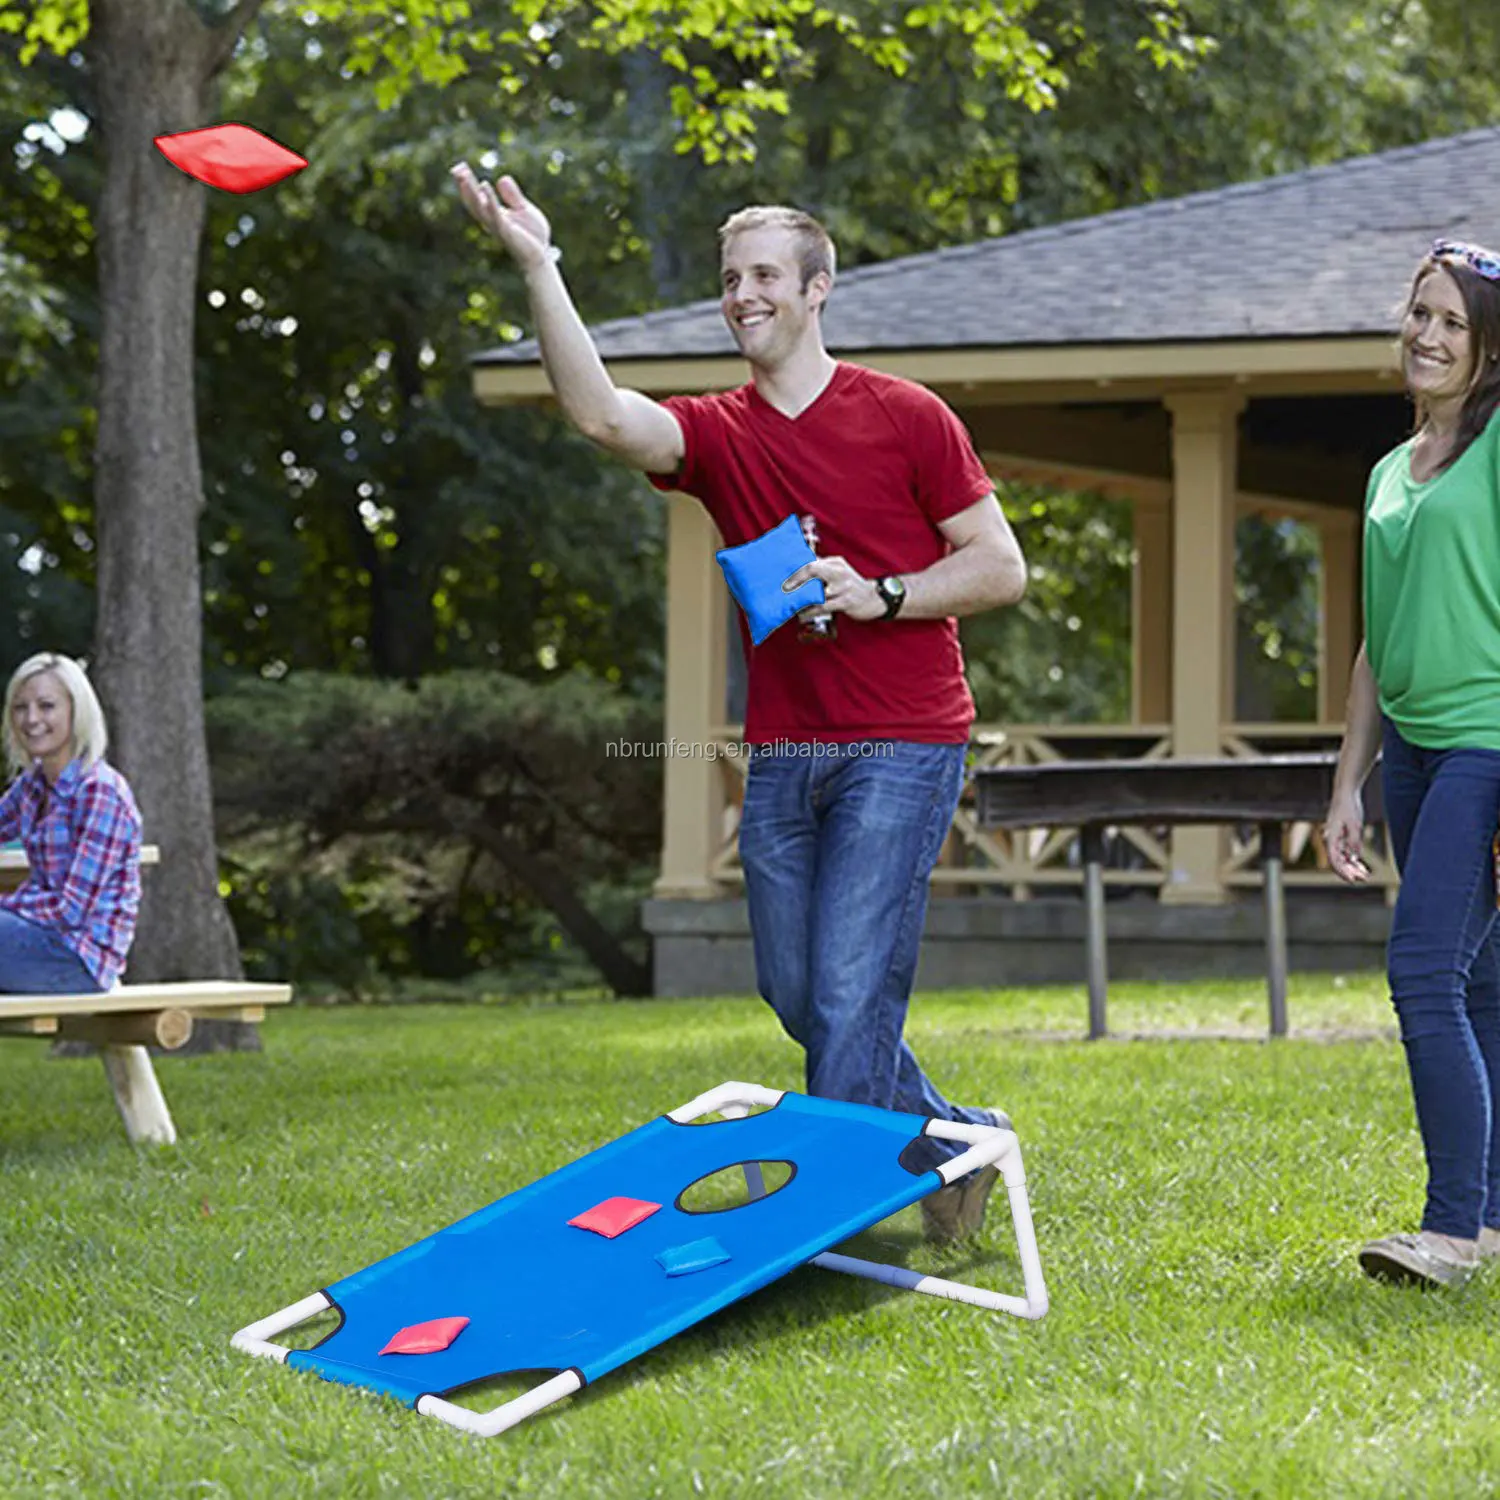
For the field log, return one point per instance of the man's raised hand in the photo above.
(509, 215)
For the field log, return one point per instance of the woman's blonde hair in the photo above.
(90, 737)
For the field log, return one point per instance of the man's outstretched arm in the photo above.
(633, 427)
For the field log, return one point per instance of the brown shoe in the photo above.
(956, 1212)
(1489, 1243)
(1425, 1259)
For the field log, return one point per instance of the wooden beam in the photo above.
(1127, 453)
(1147, 371)
(29, 1026)
(247, 1013)
(1301, 474)
(168, 1029)
(1113, 484)
(1135, 442)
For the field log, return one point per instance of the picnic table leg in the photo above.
(142, 1105)
(1270, 859)
(1094, 935)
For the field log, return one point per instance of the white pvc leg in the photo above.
(933, 1286)
(988, 1145)
(1031, 1261)
(252, 1338)
(142, 1105)
(255, 1338)
(490, 1423)
(739, 1098)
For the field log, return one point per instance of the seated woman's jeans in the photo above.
(34, 960)
(837, 846)
(1442, 808)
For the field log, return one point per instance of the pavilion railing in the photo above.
(1025, 862)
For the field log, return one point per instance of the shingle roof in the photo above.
(1314, 254)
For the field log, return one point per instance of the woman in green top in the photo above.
(1425, 691)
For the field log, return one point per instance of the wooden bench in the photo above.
(124, 1020)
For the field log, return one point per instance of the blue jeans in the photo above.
(34, 960)
(837, 846)
(1442, 807)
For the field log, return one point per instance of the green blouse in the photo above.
(1432, 595)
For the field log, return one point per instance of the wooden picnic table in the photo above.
(13, 865)
(126, 1020)
(1269, 791)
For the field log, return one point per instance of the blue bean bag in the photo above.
(755, 572)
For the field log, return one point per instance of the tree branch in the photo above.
(624, 975)
(224, 37)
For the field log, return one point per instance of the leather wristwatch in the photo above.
(893, 592)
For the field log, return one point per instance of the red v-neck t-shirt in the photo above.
(878, 462)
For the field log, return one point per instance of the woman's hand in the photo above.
(1344, 837)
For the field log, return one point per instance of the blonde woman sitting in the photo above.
(69, 926)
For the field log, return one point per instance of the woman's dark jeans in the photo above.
(1442, 808)
(34, 960)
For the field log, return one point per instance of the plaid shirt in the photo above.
(83, 843)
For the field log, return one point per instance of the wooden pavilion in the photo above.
(1202, 358)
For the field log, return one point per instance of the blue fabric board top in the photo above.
(542, 1295)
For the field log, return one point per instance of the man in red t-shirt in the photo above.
(858, 742)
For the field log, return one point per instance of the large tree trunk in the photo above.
(154, 62)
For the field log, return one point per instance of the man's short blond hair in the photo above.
(815, 252)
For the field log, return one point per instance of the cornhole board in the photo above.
(600, 1261)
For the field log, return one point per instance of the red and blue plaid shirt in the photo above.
(83, 843)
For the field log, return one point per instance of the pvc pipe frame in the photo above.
(987, 1144)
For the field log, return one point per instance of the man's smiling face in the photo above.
(764, 303)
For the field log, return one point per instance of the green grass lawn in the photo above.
(1198, 1201)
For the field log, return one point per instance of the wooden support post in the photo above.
(693, 786)
(1151, 614)
(1204, 485)
(1339, 610)
(138, 1095)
